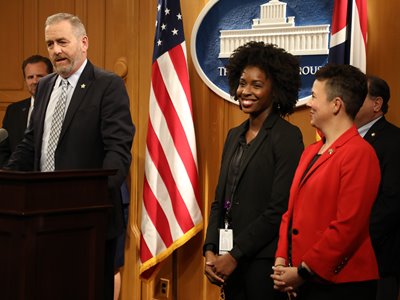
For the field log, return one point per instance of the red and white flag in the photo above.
(349, 33)
(171, 212)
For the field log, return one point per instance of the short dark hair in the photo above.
(35, 59)
(346, 82)
(377, 87)
(281, 67)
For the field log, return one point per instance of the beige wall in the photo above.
(121, 39)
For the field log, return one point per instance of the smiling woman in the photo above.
(254, 91)
(257, 167)
(278, 66)
(333, 191)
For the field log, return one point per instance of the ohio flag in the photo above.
(349, 33)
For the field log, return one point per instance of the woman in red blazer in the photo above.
(324, 249)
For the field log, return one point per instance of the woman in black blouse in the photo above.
(257, 167)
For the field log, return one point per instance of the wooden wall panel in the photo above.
(121, 34)
(94, 17)
(383, 57)
(123, 46)
(11, 49)
(45, 8)
(32, 30)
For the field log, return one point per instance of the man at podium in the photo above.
(81, 120)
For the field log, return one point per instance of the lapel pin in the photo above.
(373, 134)
(330, 151)
(83, 86)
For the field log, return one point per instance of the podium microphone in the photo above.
(3, 134)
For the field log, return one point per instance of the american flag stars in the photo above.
(168, 24)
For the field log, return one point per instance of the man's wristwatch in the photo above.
(304, 272)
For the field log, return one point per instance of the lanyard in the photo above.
(233, 169)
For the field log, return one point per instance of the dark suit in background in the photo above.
(15, 121)
(385, 216)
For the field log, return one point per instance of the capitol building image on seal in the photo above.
(274, 27)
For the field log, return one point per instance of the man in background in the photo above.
(17, 114)
(385, 216)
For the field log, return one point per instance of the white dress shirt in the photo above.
(55, 94)
(364, 129)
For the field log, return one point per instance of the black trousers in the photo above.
(251, 281)
(364, 290)
(388, 288)
(111, 246)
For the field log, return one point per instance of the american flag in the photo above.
(349, 33)
(171, 212)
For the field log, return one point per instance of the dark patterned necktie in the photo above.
(56, 125)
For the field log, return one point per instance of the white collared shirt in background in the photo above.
(28, 120)
(364, 129)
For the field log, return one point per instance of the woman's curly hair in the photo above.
(281, 67)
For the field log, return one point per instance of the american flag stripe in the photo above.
(150, 241)
(171, 212)
(176, 120)
(155, 183)
(159, 158)
(145, 253)
(177, 133)
(176, 55)
(156, 213)
(172, 70)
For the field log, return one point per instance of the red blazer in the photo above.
(330, 209)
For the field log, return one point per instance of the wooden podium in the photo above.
(52, 234)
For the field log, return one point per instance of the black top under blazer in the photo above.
(262, 191)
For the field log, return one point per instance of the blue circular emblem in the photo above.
(301, 27)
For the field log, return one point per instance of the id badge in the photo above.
(225, 241)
